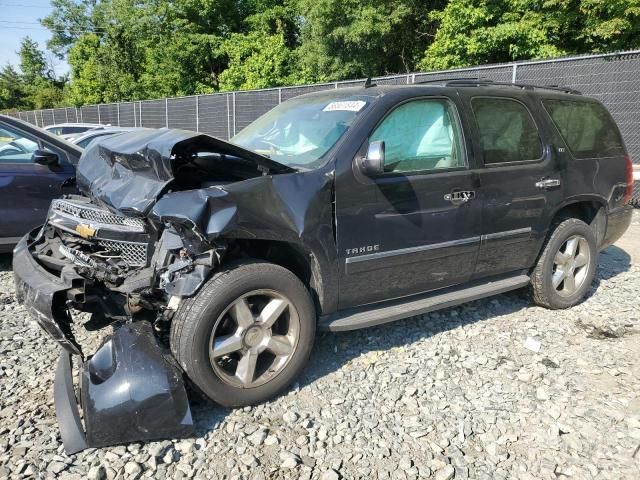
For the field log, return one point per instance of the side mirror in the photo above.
(45, 157)
(373, 163)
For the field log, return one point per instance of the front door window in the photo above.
(420, 136)
(15, 147)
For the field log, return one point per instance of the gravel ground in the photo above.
(494, 389)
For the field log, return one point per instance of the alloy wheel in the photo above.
(254, 338)
(571, 265)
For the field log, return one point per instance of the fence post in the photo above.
(66, 115)
(197, 113)
(140, 112)
(99, 120)
(118, 112)
(228, 119)
(41, 120)
(515, 73)
(166, 112)
(234, 114)
(80, 114)
(279, 96)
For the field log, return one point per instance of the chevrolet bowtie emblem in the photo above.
(85, 231)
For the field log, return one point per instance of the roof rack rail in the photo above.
(524, 86)
(478, 82)
(453, 79)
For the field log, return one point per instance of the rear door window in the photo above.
(587, 128)
(507, 130)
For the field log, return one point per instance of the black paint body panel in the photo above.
(371, 243)
(132, 391)
(44, 296)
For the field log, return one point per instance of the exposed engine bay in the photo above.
(124, 256)
(140, 263)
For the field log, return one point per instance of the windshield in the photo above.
(299, 132)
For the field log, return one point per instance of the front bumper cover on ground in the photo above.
(130, 389)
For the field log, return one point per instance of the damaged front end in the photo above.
(159, 213)
(123, 267)
(101, 253)
(116, 268)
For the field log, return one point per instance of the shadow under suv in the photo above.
(336, 210)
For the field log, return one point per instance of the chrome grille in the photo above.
(133, 253)
(95, 214)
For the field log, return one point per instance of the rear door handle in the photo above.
(460, 196)
(547, 183)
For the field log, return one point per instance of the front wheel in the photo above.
(246, 335)
(566, 268)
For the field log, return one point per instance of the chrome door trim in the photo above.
(405, 251)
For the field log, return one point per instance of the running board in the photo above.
(370, 315)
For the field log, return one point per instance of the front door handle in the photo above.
(460, 196)
(547, 183)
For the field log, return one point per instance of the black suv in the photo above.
(336, 210)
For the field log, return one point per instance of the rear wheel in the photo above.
(246, 335)
(566, 268)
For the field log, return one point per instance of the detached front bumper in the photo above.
(45, 295)
(130, 389)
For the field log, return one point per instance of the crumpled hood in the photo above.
(130, 171)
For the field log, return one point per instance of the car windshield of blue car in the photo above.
(299, 132)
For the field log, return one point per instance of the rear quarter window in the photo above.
(587, 128)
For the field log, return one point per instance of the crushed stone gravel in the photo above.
(495, 389)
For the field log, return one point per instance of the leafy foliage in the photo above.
(136, 49)
(487, 31)
(35, 86)
(356, 38)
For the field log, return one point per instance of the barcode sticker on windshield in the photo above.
(347, 106)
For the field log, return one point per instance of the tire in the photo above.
(220, 316)
(555, 264)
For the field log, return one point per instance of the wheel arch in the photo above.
(591, 209)
(301, 261)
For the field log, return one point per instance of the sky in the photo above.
(18, 19)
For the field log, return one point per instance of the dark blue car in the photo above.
(35, 167)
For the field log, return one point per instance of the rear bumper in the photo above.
(618, 222)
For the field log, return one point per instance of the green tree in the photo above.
(68, 21)
(265, 56)
(137, 49)
(11, 89)
(147, 48)
(32, 61)
(356, 38)
(38, 86)
(488, 31)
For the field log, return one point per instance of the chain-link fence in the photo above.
(612, 78)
